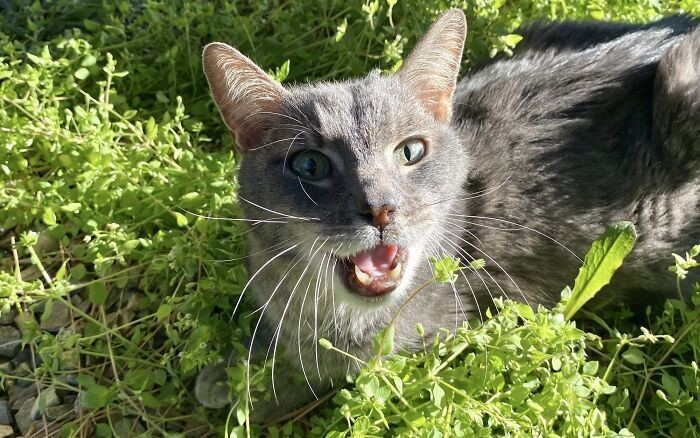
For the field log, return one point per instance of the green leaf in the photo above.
(180, 218)
(95, 397)
(512, 39)
(78, 271)
(81, 73)
(49, 217)
(384, 341)
(71, 207)
(164, 311)
(633, 356)
(601, 262)
(438, 393)
(446, 269)
(97, 293)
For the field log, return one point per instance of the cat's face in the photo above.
(353, 179)
(370, 168)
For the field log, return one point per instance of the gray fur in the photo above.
(562, 139)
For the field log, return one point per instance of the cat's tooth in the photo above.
(394, 273)
(362, 277)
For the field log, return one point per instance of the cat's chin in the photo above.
(377, 282)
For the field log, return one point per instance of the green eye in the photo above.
(311, 165)
(409, 152)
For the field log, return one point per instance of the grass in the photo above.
(109, 142)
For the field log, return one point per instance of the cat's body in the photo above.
(563, 139)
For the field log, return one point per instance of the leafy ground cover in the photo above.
(113, 294)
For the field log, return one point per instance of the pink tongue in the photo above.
(376, 262)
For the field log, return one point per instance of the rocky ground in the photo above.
(28, 407)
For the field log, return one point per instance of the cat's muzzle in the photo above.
(374, 272)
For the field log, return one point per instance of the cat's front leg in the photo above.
(213, 391)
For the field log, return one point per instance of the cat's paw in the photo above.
(212, 388)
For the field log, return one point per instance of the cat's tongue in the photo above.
(377, 261)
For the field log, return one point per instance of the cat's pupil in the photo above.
(407, 153)
(310, 167)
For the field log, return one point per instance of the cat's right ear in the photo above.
(244, 94)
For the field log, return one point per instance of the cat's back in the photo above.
(589, 123)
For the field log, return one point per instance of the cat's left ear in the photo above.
(244, 93)
(430, 71)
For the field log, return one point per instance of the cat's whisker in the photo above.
(305, 192)
(434, 238)
(492, 260)
(235, 219)
(462, 252)
(335, 313)
(459, 306)
(272, 113)
(290, 139)
(252, 277)
(303, 114)
(435, 253)
(316, 297)
(475, 195)
(291, 127)
(277, 212)
(278, 330)
(460, 216)
(473, 259)
(299, 342)
(274, 247)
(262, 309)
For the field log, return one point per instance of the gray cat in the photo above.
(355, 184)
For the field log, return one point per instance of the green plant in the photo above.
(114, 164)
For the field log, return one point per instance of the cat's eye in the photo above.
(311, 165)
(409, 152)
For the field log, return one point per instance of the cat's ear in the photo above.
(430, 71)
(243, 92)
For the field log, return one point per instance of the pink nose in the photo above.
(381, 216)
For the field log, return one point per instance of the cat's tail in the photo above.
(677, 106)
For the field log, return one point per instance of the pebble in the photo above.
(25, 357)
(6, 432)
(23, 417)
(64, 412)
(20, 394)
(7, 317)
(57, 319)
(5, 417)
(5, 366)
(10, 339)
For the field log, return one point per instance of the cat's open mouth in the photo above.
(374, 272)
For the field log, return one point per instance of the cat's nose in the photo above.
(379, 215)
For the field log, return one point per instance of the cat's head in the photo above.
(356, 175)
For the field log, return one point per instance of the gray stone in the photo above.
(9, 340)
(20, 394)
(23, 417)
(6, 432)
(63, 412)
(58, 317)
(5, 416)
(48, 397)
(25, 357)
(7, 317)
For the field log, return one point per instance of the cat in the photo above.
(354, 185)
